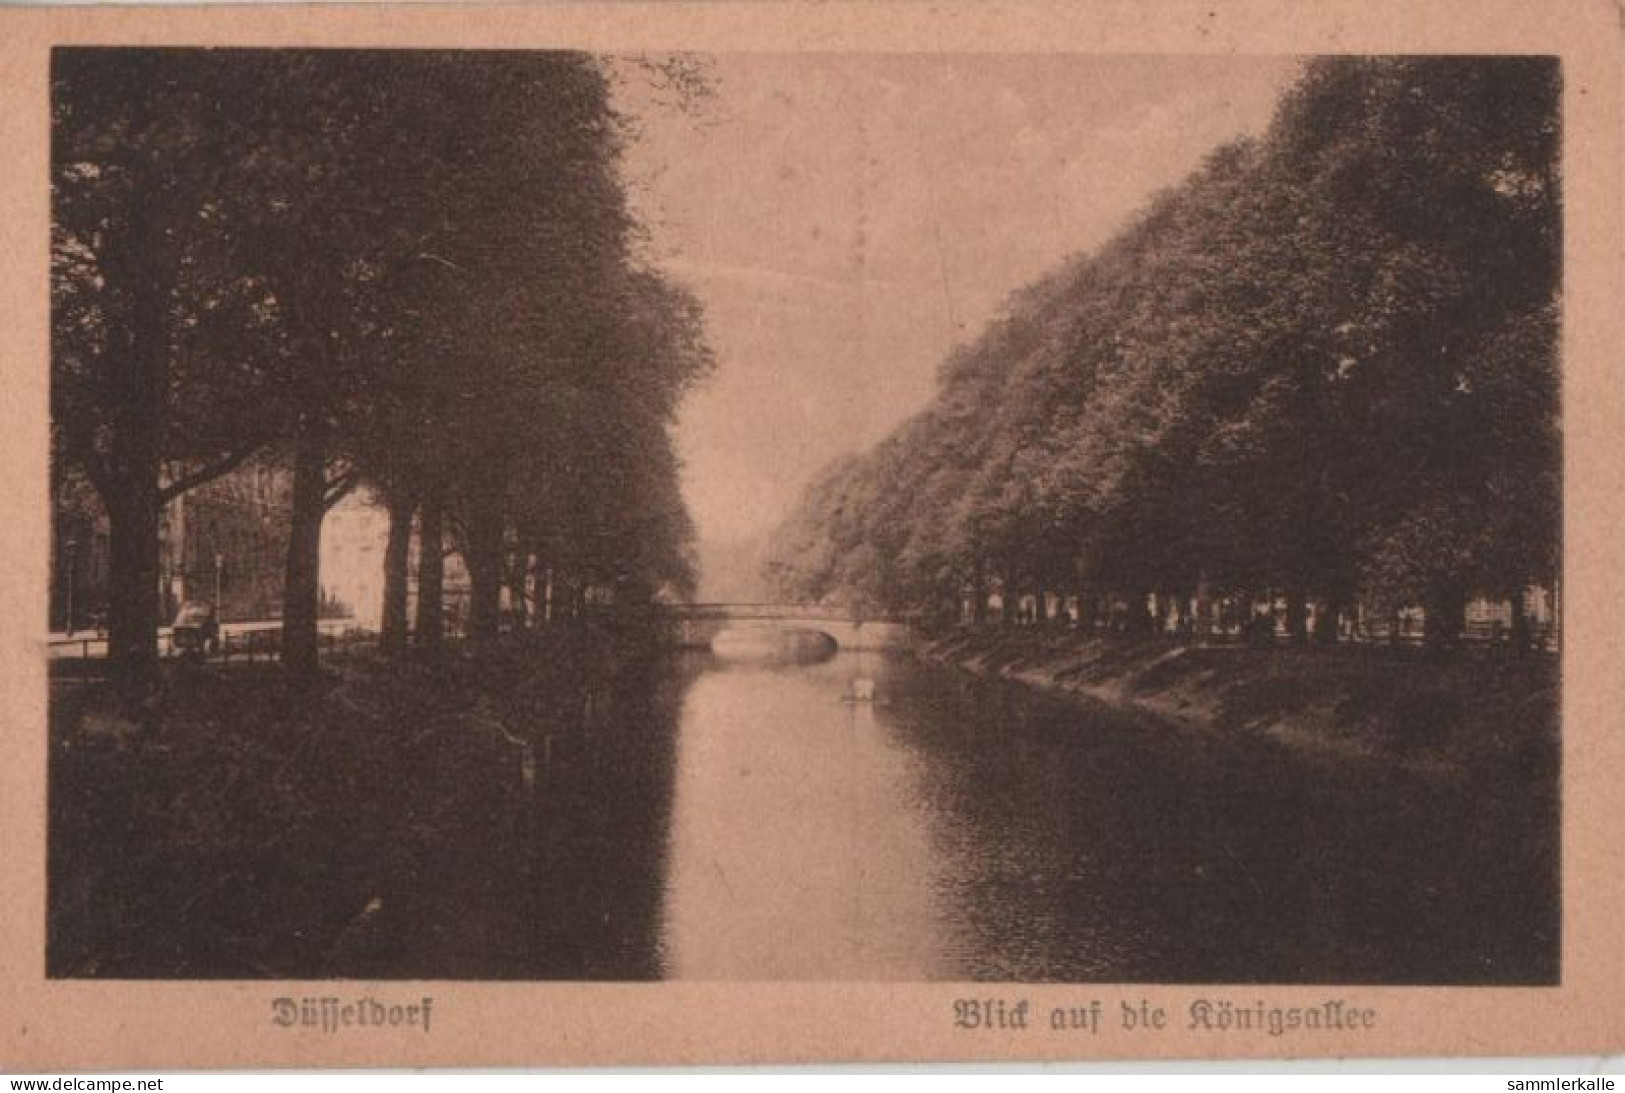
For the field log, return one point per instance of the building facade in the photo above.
(225, 541)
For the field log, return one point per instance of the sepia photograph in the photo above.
(545, 515)
(759, 518)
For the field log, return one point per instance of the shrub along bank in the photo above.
(1452, 713)
(241, 827)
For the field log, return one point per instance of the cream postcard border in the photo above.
(76, 1024)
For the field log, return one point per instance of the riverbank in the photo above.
(1448, 714)
(244, 828)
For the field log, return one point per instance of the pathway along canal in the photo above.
(720, 821)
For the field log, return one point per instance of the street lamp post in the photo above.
(73, 566)
(219, 566)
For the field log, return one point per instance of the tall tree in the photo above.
(157, 346)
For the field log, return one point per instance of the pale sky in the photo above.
(847, 218)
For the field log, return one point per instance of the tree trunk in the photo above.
(301, 589)
(1446, 604)
(484, 559)
(1202, 624)
(397, 556)
(519, 590)
(431, 620)
(137, 420)
(1329, 622)
(132, 587)
(562, 598)
(1522, 636)
(1168, 613)
(1140, 620)
(1296, 608)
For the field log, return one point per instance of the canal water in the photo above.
(732, 822)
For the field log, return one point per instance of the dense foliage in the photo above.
(413, 269)
(1326, 365)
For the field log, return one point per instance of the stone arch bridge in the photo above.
(692, 626)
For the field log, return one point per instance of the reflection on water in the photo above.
(772, 644)
(738, 821)
(797, 849)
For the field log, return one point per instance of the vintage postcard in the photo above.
(706, 533)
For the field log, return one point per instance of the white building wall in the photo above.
(353, 540)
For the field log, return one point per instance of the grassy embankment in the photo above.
(249, 829)
(1451, 713)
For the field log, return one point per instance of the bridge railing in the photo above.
(769, 611)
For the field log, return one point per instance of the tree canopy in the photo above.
(1326, 362)
(416, 269)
